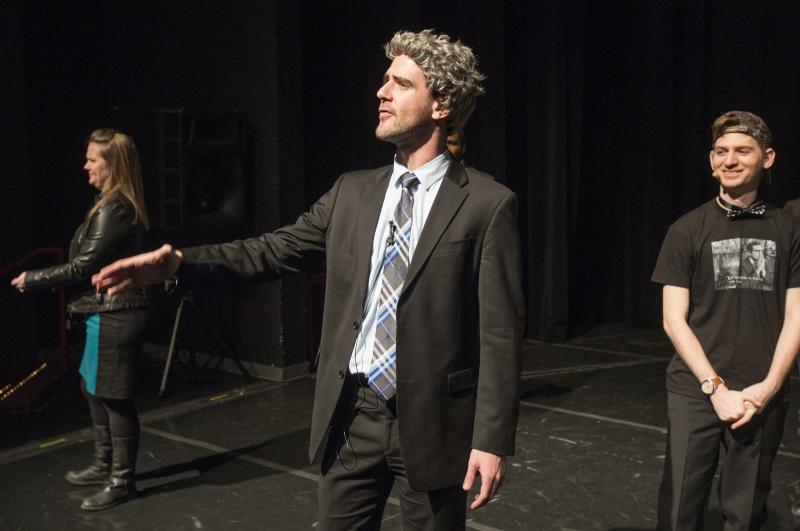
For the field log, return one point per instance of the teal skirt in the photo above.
(113, 342)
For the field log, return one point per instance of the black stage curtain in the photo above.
(608, 130)
(596, 114)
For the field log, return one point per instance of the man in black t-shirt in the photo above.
(731, 276)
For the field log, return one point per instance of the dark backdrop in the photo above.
(596, 114)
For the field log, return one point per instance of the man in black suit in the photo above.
(419, 363)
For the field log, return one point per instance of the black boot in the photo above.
(97, 472)
(121, 486)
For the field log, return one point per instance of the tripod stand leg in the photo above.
(231, 354)
(171, 350)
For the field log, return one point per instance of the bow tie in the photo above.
(755, 210)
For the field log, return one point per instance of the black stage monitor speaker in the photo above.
(202, 172)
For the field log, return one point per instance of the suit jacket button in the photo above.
(341, 375)
(356, 326)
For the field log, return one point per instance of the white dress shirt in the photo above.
(430, 178)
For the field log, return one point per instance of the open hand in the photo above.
(491, 468)
(140, 270)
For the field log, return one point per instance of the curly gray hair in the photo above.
(450, 70)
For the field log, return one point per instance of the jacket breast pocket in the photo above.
(454, 247)
(460, 382)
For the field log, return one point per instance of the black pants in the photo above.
(362, 462)
(693, 443)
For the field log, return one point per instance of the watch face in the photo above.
(707, 387)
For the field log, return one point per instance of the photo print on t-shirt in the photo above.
(744, 263)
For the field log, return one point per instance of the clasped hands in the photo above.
(739, 407)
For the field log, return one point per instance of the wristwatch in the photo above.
(709, 385)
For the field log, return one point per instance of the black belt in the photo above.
(360, 379)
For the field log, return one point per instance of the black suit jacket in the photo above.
(459, 322)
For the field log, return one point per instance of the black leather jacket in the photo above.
(103, 238)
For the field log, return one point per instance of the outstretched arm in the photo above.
(105, 231)
(266, 257)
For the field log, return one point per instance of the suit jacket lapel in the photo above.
(448, 201)
(369, 210)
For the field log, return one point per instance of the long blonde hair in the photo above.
(120, 153)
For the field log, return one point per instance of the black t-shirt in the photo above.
(793, 207)
(737, 272)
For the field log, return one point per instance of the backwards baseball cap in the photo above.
(742, 122)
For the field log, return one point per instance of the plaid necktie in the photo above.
(382, 376)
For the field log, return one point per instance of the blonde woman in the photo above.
(114, 227)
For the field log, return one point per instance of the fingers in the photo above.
(752, 399)
(158, 256)
(490, 485)
(492, 469)
(18, 282)
(110, 275)
(496, 484)
(469, 479)
(152, 258)
(121, 286)
(732, 414)
(485, 494)
(105, 281)
(119, 275)
(748, 414)
(751, 405)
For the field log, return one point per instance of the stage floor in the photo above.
(225, 455)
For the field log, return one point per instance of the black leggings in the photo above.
(118, 414)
